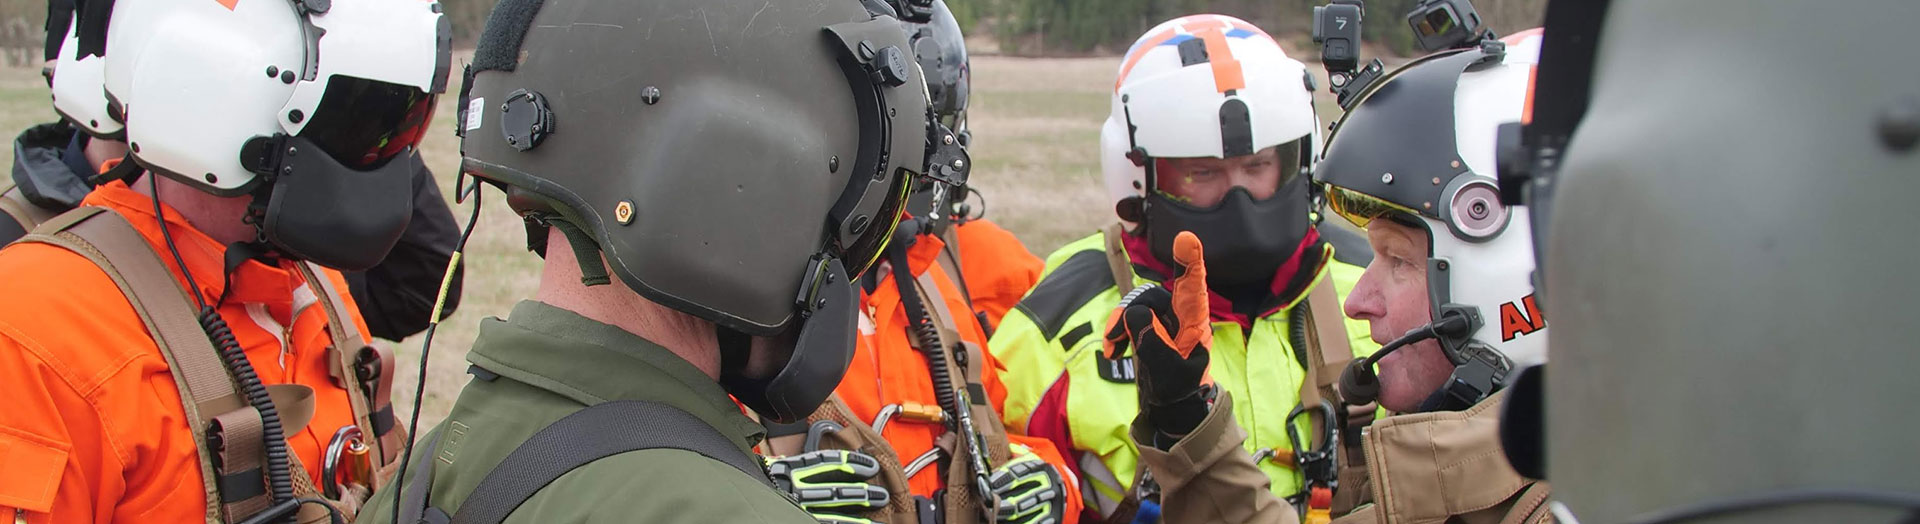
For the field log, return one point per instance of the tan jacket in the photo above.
(1427, 468)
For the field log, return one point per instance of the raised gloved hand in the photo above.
(830, 484)
(1029, 490)
(1170, 333)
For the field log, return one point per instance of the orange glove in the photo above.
(1171, 367)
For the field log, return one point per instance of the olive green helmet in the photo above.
(1729, 259)
(735, 161)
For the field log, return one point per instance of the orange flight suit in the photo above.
(997, 268)
(887, 370)
(93, 429)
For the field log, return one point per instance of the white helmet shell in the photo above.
(198, 79)
(1493, 273)
(1404, 146)
(78, 93)
(1173, 84)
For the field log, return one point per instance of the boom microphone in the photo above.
(1359, 385)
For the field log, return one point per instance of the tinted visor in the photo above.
(1361, 208)
(363, 123)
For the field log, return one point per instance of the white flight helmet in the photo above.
(299, 103)
(77, 88)
(1418, 148)
(1168, 103)
(197, 80)
(1211, 86)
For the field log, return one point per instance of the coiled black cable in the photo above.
(279, 466)
(924, 333)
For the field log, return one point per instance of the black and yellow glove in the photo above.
(830, 484)
(1170, 333)
(1029, 490)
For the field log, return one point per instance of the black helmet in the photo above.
(735, 162)
(941, 51)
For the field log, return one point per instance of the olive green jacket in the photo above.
(552, 362)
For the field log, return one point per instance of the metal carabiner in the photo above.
(1318, 466)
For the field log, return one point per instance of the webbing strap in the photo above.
(962, 503)
(1326, 349)
(13, 203)
(373, 414)
(206, 388)
(597, 432)
(950, 262)
(1117, 261)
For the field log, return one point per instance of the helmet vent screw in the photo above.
(212, 179)
(1386, 178)
(93, 123)
(273, 71)
(296, 116)
(623, 212)
(650, 95)
(833, 164)
(1900, 126)
(286, 77)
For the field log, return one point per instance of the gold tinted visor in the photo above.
(1361, 208)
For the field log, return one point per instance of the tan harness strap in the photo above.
(350, 360)
(950, 262)
(207, 391)
(15, 204)
(962, 503)
(1327, 350)
(1117, 261)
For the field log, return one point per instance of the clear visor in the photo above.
(1203, 182)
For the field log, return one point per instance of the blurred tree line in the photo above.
(1021, 27)
(1056, 27)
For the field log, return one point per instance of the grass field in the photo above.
(1036, 128)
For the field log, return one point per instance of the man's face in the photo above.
(1203, 181)
(1392, 297)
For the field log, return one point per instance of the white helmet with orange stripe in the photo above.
(1418, 149)
(1211, 128)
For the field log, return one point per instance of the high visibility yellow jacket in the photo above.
(1060, 386)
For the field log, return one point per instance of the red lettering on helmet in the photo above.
(1514, 323)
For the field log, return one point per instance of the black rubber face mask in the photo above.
(321, 211)
(1246, 240)
(338, 196)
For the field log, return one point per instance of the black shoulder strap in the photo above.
(597, 432)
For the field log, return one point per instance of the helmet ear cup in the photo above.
(1475, 211)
